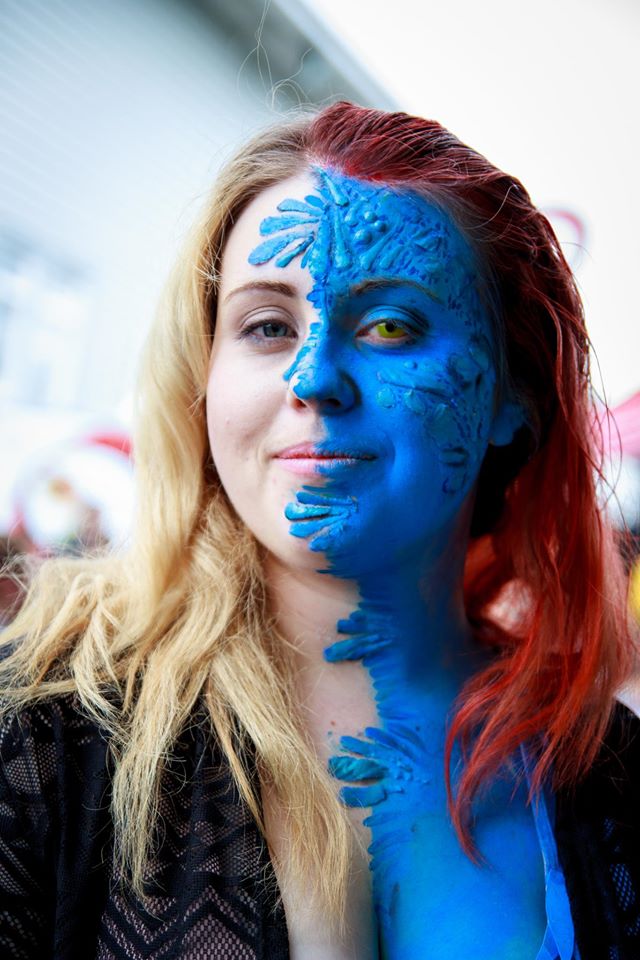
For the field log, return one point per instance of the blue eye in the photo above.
(274, 330)
(268, 330)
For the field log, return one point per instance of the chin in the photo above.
(294, 557)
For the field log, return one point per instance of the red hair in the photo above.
(540, 548)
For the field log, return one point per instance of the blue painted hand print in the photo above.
(296, 232)
(319, 516)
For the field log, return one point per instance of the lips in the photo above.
(312, 451)
(313, 459)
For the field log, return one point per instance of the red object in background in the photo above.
(627, 421)
(78, 497)
(114, 439)
(620, 428)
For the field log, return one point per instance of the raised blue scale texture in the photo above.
(353, 230)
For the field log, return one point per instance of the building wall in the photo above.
(115, 116)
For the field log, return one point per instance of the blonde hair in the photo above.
(143, 634)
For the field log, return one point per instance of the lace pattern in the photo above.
(598, 834)
(212, 892)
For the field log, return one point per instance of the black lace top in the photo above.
(598, 836)
(214, 892)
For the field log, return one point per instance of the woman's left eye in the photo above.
(389, 330)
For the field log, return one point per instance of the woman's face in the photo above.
(352, 384)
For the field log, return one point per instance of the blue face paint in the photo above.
(426, 375)
(400, 363)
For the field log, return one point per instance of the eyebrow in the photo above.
(357, 290)
(274, 286)
(382, 283)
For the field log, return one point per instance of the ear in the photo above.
(508, 419)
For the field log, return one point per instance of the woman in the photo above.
(368, 538)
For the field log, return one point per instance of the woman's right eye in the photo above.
(268, 330)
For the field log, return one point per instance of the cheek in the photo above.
(234, 417)
(449, 404)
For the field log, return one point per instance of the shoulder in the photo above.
(611, 786)
(44, 721)
(613, 781)
(46, 744)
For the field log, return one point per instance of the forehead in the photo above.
(338, 230)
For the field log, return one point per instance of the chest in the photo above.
(330, 707)
(419, 887)
(453, 907)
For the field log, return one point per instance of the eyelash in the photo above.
(250, 331)
(412, 331)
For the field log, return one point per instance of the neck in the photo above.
(415, 604)
(307, 605)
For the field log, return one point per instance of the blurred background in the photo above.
(116, 116)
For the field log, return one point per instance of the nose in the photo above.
(318, 378)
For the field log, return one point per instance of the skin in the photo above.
(350, 319)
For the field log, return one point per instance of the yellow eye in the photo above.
(389, 330)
